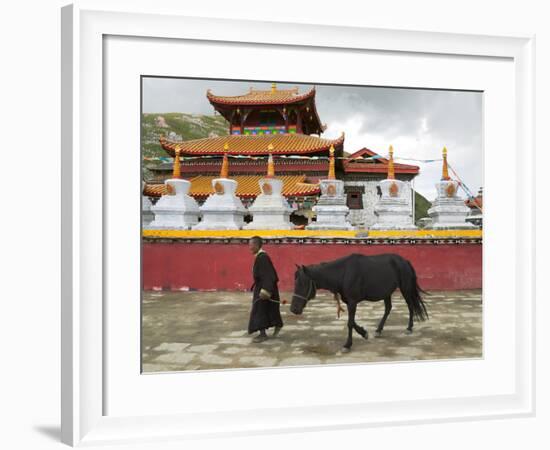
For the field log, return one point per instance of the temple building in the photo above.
(476, 208)
(286, 124)
(363, 172)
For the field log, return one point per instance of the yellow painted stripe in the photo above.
(201, 234)
(426, 233)
(246, 233)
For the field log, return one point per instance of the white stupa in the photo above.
(175, 209)
(222, 210)
(393, 210)
(448, 210)
(146, 204)
(270, 210)
(331, 208)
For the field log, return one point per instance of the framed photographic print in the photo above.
(246, 189)
(288, 207)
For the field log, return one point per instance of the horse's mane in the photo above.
(332, 264)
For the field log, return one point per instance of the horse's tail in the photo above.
(411, 291)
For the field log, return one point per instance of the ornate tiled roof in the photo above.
(253, 145)
(246, 166)
(262, 97)
(154, 190)
(378, 165)
(248, 186)
(475, 203)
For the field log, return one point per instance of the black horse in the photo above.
(359, 277)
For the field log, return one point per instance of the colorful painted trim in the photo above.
(354, 234)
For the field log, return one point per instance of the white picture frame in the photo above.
(85, 419)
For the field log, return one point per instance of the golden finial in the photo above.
(391, 169)
(445, 175)
(224, 172)
(331, 169)
(270, 167)
(176, 171)
(273, 87)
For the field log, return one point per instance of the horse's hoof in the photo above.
(378, 334)
(346, 350)
(365, 336)
(407, 331)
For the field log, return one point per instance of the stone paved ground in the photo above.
(207, 330)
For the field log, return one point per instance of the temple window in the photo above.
(354, 196)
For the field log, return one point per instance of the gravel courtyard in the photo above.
(207, 330)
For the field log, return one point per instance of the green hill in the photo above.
(184, 126)
(421, 206)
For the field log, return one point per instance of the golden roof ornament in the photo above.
(176, 171)
(391, 169)
(224, 172)
(273, 87)
(445, 175)
(331, 165)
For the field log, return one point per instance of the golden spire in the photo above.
(224, 173)
(176, 171)
(391, 169)
(273, 87)
(331, 171)
(445, 175)
(270, 165)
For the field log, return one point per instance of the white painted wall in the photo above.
(365, 217)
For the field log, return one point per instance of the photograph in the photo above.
(291, 224)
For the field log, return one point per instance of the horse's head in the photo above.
(304, 290)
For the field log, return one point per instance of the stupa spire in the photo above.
(270, 164)
(391, 168)
(331, 170)
(273, 87)
(224, 172)
(176, 171)
(445, 175)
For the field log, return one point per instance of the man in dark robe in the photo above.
(266, 302)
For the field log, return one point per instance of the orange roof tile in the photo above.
(476, 202)
(154, 190)
(253, 145)
(248, 186)
(262, 97)
(379, 165)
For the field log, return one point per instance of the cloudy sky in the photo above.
(417, 122)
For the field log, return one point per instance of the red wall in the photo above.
(219, 266)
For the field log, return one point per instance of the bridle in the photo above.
(312, 288)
